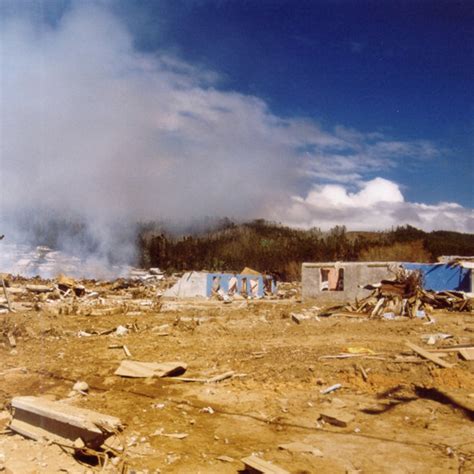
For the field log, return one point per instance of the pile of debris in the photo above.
(138, 292)
(405, 296)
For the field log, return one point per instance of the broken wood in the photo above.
(135, 369)
(467, 354)
(7, 297)
(219, 378)
(377, 307)
(39, 288)
(127, 352)
(216, 378)
(336, 417)
(427, 355)
(161, 432)
(350, 356)
(363, 373)
(11, 339)
(454, 348)
(298, 447)
(254, 464)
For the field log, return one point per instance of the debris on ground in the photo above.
(262, 375)
(428, 355)
(297, 447)
(135, 369)
(254, 464)
(38, 418)
(404, 296)
(330, 389)
(336, 417)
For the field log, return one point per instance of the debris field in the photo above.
(109, 376)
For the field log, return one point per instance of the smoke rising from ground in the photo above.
(94, 129)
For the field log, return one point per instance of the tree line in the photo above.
(280, 250)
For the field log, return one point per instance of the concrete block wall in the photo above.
(355, 274)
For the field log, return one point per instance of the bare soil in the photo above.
(401, 422)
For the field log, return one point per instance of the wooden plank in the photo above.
(336, 417)
(11, 339)
(219, 378)
(467, 354)
(297, 447)
(126, 351)
(255, 464)
(135, 369)
(216, 378)
(377, 307)
(427, 355)
(455, 348)
(6, 296)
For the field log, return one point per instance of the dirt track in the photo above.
(274, 399)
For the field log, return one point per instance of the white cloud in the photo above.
(378, 204)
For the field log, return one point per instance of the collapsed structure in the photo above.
(344, 281)
(107, 332)
(248, 283)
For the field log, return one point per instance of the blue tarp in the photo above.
(443, 276)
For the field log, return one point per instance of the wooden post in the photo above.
(6, 296)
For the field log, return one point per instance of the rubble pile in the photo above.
(118, 377)
(137, 293)
(405, 296)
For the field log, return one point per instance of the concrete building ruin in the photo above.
(341, 281)
(206, 284)
(344, 281)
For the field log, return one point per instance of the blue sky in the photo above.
(366, 107)
(401, 67)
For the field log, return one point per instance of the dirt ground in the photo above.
(409, 416)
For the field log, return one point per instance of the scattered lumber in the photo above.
(427, 355)
(404, 296)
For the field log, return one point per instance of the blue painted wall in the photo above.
(225, 278)
(443, 277)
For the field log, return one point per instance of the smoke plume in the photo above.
(97, 132)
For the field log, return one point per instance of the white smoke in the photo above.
(95, 129)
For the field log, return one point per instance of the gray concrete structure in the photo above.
(345, 279)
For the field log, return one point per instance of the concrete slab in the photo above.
(38, 418)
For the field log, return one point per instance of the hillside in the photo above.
(273, 248)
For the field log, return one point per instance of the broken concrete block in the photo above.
(38, 418)
(135, 369)
(336, 417)
(81, 387)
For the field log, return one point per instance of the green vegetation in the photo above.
(273, 248)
